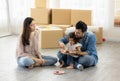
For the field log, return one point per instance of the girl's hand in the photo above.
(63, 51)
(71, 52)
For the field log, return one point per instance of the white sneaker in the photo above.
(80, 67)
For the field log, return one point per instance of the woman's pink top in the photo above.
(28, 50)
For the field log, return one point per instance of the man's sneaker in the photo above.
(80, 67)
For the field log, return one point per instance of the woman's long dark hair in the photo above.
(26, 30)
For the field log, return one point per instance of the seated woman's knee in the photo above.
(26, 61)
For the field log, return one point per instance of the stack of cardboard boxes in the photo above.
(41, 13)
(70, 16)
(62, 18)
(48, 36)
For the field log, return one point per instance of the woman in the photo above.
(28, 54)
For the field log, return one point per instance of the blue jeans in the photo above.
(62, 57)
(85, 60)
(26, 61)
(71, 59)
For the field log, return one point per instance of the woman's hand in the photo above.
(40, 61)
(43, 61)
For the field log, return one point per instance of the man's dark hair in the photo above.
(81, 25)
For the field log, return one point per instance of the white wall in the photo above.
(112, 33)
(54, 4)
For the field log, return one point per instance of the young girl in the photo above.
(71, 49)
(28, 52)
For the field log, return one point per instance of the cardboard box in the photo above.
(83, 15)
(41, 15)
(98, 31)
(42, 3)
(99, 35)
(61, 16)
(50, 36)
(61, 26)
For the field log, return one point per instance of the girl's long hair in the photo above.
(26, 31)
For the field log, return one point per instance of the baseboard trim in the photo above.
(5, 35)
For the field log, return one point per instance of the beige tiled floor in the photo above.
(106, 70)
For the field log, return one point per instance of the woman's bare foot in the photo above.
(30, 67)
(37, 64)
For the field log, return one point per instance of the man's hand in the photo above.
(62, 45)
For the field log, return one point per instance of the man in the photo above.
(88, 55)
